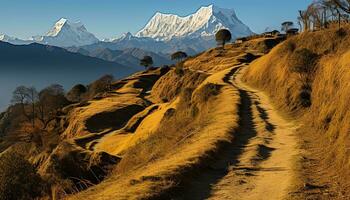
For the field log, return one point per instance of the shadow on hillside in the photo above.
(200, 186)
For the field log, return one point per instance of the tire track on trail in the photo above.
(259, 162)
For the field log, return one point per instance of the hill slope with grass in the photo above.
(309, 77)
(227, 123)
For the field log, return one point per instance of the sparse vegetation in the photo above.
(18, 178)
(320, 100)
(303, 62)
(209, 90)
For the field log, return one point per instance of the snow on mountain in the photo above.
(204, 23)
(13, 40)
(65, 33)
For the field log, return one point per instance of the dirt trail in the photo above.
(260, 162)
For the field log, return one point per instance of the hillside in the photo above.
(308, 76)
(245, 122)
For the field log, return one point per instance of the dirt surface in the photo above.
(260, 162)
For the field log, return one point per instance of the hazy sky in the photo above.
(109, 18)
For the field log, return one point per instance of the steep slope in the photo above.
(40, 65)
(192, 118)
(204, 23)
(309, 76)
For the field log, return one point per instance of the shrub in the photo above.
(209, 90)
(303, 61)
(341, 32)
(305, 98)
(290, 46)
(305, 95)
(18, 179)
(75, 94)
(100, 86)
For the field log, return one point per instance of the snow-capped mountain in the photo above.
(65, 34)
(166, 33)
(13, 40)
(204, 23)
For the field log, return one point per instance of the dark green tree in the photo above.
(146, 61)
(222, 37)
(179, 56)
(286, 26)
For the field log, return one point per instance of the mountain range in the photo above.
(164, 33)
(41, 65)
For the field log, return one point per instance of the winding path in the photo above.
(260, 162)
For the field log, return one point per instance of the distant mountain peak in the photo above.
(12, 40)
(4, 37)
(206, 21)
(65, 33)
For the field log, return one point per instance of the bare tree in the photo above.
(51, 99)
(26, 97)
(304, 20)
(342, 4)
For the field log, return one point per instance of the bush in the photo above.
(100, 86)
(209, 90)
(341, 32)
(303, 61)
(18, 179)
(305, 95)
(75, 94)
(290, 46)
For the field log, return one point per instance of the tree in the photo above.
(342, 4)
(26, 97)
(146, 61)
(338, 8)
(51, 99)
(75, 94)
(286, 26)
(102, 85)
(178, 56)
(222, 37)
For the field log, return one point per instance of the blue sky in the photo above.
(108, 18)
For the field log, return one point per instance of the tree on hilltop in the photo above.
(222, 37)
(26, 96)
(146, 61)
(179, 56)
(286, 26)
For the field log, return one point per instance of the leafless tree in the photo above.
(342, 4)
(51, 99)
(26, 96)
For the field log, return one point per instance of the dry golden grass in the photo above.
(326, 123)
(185, 138)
